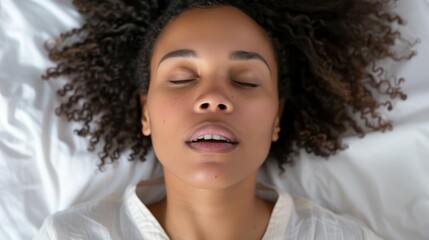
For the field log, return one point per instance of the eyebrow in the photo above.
(181, 53)
(246, 56)
(239, 55)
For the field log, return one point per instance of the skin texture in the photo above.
(211, 194)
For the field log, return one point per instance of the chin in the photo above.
(215, 177)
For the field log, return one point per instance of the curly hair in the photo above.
(327, 53)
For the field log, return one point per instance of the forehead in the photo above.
(215, 30)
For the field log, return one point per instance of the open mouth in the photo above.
(212, 143)
(212, 138)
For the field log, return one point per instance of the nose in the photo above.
(215, 101)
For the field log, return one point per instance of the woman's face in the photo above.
(212, 108)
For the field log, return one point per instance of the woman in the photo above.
(215, 87)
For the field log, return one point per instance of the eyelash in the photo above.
(182, 81)
(240, 84)
(245, 84)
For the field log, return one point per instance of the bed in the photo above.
(381, 180)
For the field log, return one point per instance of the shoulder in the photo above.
(311, 221)
(92, 220)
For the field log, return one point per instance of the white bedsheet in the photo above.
(382, 180)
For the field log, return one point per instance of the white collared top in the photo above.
(127, 217)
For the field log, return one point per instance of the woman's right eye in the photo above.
(181, 81)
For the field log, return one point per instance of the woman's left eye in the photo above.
(245, 84)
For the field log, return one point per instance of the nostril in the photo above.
(204, 105)
(222, 106)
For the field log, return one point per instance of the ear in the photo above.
(277, 127)
(145, 120)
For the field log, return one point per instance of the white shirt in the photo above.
(127, 217)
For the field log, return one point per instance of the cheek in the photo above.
(166, 117)
(164, 112)
(259, 123)
(261, 115)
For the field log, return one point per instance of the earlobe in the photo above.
(277, 122)
(145, 120)
(276, 129)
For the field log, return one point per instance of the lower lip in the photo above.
(214, 147)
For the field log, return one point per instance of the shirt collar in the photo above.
(153, 190)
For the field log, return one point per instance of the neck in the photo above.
(233, 212)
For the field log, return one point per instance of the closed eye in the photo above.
(182, 81)
(245, 84)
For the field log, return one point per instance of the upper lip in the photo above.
(213, 129)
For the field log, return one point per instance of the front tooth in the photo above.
(216, 137)
(207, 137)
(224, 139)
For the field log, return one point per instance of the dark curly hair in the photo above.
(326, 51)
